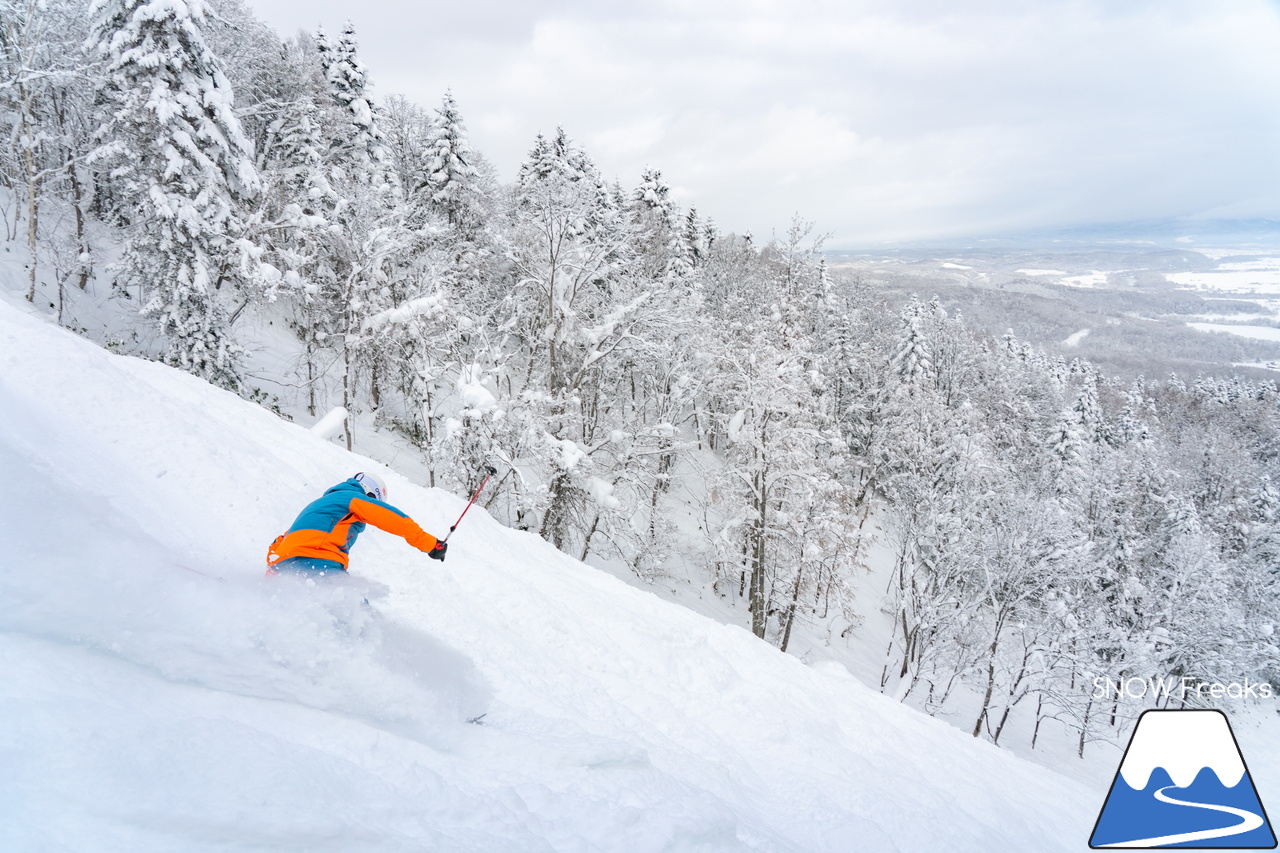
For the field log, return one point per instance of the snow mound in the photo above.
(158, 693)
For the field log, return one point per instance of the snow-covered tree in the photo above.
(357, 149)
(174, 138)
(912, 358)
(448, 176)
(779, 509)
(664, 252)
(46, 125)
(569, 251)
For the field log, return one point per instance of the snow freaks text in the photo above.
(1174, 687)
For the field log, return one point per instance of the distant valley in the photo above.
(1131, 309)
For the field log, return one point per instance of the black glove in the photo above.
(437, 553)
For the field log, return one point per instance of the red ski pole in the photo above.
(491, 471)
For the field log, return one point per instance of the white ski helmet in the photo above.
(373, 485)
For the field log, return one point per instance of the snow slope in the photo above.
(158, 694)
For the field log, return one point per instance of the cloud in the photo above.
(880, 120)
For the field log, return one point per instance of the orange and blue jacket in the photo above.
(328, 527)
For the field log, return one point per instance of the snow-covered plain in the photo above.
(1260, 276)
(1264, 333)
(1093, 278)
(158, 693)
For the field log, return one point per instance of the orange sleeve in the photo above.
(393, 522)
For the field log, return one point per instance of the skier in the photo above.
(321, 538)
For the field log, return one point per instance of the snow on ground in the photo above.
(1267, 264)
(1263, 333)
(1255, 280)
(1093, 278)
(159, 694)
(1042, 272)
(1074, 339)
(1210, 318)
(1220, 254)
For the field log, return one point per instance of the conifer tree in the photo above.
(912, 358)
(696, 243)
(448, 177)
(173, 132)
(664, 248)
(358, 148)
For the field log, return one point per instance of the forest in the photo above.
(620, 357)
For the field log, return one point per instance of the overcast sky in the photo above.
(906, 120)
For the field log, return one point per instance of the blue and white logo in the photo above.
(1183, 783)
